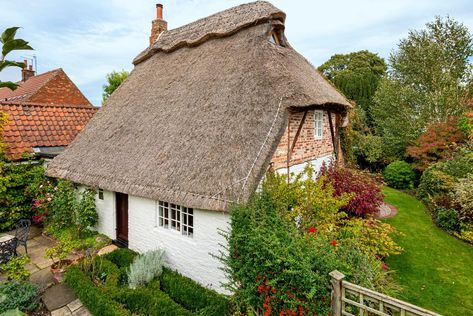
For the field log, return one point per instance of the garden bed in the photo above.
(101, 285)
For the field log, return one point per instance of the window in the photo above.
(100, 194)
(176, 217)
(318, 124)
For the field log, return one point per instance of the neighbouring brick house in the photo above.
(46, 112)
(207, 110)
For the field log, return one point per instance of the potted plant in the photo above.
(58, 254)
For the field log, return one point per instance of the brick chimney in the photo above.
(157, 26)
(27, 71)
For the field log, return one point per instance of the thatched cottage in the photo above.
(208, 108)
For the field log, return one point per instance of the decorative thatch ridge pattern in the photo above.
(198, 126)
(220, 24)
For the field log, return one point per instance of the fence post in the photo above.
(336, 281)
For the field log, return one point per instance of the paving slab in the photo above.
(107, 249)
(64, 311)
(31, 268)
(82, 312)
(43, 278)
(58, 296)
(74, 305)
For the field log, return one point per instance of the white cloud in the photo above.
(88, 39)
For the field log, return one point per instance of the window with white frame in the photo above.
(318, 124)
(176, 217)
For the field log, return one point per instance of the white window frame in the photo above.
(318, 124)
(176, 218)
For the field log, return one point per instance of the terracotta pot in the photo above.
(58, 269)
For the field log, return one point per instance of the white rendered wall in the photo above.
(106, 210)
(191, 256)
(316, 164)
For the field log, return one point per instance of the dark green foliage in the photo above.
(22, 295)
(121, 257)
(10, 43)
(447, 218)
(15, 194)
(96, 301)
(193, 296)
(150, 301)
(400, 175)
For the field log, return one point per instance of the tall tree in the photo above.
(427, 83)
(357, 75)
(114, 80)
(9, 44)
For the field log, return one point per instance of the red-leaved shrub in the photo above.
(367, 195)
(437, 143)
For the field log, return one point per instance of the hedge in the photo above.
(91, 296)
(192, 295)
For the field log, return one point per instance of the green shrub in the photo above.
(15, 196)
(15, 268)
(434, 182)
(399, 175)
(466, 232)
(462, 195)
(192, 295)
(96, 301)
(447, 218)
(22, 295)
(121, 257)
(145, 268)
(149, 301)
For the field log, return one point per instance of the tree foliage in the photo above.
(114, 80)
(427, 83)
(9, 44)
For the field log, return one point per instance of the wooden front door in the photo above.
(122, 217)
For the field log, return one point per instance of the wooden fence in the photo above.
(349, 299)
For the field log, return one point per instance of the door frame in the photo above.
(119, 240)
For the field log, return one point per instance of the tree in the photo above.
(357, 75)
(114, 80)
(427, 83)
(9, 44)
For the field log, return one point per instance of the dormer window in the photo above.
(276, 35)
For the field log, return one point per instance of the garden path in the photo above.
(59, 299)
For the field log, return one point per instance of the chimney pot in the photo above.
(159, 11)
(25, 61)
(30, 67)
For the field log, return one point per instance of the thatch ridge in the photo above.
(197, 126)
(221, 24)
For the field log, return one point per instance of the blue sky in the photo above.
(89, 39)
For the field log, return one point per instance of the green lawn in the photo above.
(435, 269)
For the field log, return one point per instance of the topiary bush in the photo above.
(145, 268)
(399, 175)
(366, 194)
(192, 295)
(21, 295)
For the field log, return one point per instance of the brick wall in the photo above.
(307, 147)
(60, 90)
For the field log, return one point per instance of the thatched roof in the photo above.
(196, 124)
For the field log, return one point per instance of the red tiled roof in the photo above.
(39, 125)
(53, 87)
(26, 89)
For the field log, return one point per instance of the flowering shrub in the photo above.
(366, 196)
(462, 195)
(371, 235)
(399, 175)
(279, 257)
(437, 143)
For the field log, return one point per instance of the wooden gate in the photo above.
(349, 299)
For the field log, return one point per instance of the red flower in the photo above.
(312, 230)
(334, 243)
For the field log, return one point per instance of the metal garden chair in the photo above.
(22, 233)
(7, 249)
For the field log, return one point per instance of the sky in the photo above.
(90, 38)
